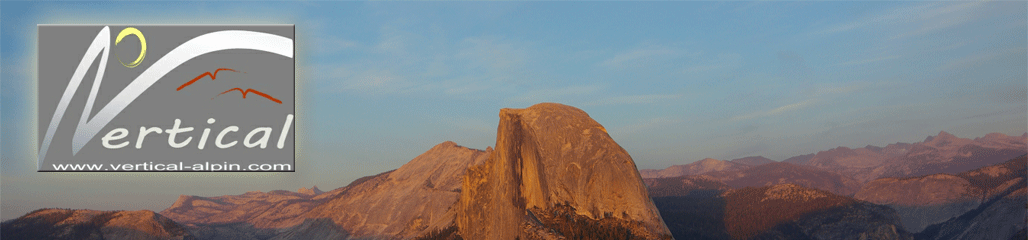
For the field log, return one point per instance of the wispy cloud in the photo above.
(644, 125)
(791, 107)
(635, 99)
(869, 60)
(333, 44)
(724, 61)
(776, 111)
(493, 53)
(642, 55)
(919, 19)
(404, 62)
(371, 81)
(976, 59)
(561, 94)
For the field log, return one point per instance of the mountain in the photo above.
(310, 191)
(781, 173)
(783, 211)
(556, 173)
(699, 167)
(684, 186)
(410, 201)
(934, 199)
(404, 203)
(799, 160)
(943, 153)
(51, 223)
(754, 160)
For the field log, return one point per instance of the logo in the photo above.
(177, 98)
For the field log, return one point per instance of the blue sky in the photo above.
(673, 82)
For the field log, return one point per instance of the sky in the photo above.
(673, 82)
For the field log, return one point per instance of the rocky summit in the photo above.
(555, 173)
(92, 224)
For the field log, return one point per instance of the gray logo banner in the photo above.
(166, 98)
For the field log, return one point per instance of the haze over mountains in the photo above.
(557, 174)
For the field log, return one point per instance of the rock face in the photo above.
(401, 204)
(554, 159)
(934, 199)
(91, 224)
(699, 167)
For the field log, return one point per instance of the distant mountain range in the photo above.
(984, 203)
(699, 167)
(943, 153)
(52, 223)
(944, 187)
(737, 175)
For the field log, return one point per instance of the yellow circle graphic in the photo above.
(142, 45)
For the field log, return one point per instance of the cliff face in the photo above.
(553, 158)
(92, 224)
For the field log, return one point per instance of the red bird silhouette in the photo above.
(215, 76)
(250, 90)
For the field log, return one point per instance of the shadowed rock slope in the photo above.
(401, 204)
(933, 199)
(784, 211)
(92, 224)
(555, 172)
